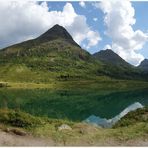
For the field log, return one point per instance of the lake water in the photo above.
(103, 122)
(73, 105)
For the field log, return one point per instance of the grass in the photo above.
(57, 60)
(81, 133)
(19, 119)
(140, 115)
(99, 82)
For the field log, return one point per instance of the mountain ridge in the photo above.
(144, 65)
(54, 33)
(56, 51)
(110, 57)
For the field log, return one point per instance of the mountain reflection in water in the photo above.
(103, 122)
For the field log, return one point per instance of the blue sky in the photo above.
(119, 25)
(141, 11)
(90, 12)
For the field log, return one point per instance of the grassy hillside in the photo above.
(56, 59)
(144, 65)
(55, 55)
(108, 56)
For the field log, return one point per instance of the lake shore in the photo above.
(9, 139)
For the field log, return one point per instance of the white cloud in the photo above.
(93, 38)
(95, 19)
(96, 4)
(119, 18)
(82, 4)
(107, 47)
(23, 20)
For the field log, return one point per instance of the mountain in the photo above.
(144, 65)
(55, 55)
(57, 32)
(109, 57)
(116, 67)
(54, 52)
(55, 40)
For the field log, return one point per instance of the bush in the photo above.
(19, 119)
(3, 84)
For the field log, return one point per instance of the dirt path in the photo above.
(8, 139)
(137, 142)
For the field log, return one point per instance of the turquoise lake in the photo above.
(73, 105)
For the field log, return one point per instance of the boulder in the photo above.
(64, 127)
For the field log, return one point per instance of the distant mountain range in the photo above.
(144, 65)
(55, 51)
(109, 57)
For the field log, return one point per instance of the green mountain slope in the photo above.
(117, 67)
(55, 55)
(109, 57)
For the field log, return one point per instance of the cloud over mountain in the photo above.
(23, 20)
(119, 19)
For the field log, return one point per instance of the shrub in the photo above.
(19, 119)
(3, 84)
